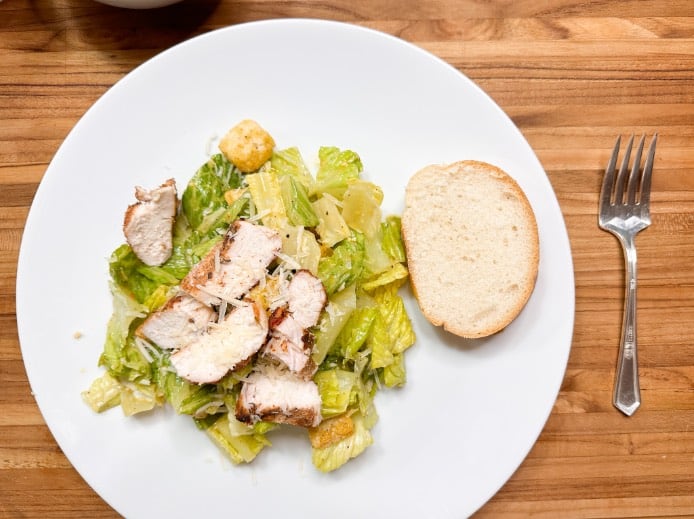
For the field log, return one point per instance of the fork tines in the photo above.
(635, 186)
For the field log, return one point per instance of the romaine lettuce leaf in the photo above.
(103, 394)
(336, 314)
(120, 355)
(335, 387)
(336, 168)
(394, 317)
(331, 226)
(183, 396)
(344, 266)
(361, 207)
(376, 260)
(124, 267)
(355, 332)
(267, 197)
(301, 245)
(391, 240)
(290, 162)
(394, 374)
(395, 274)
(296, 203)
(204, 193)
(240, 449)
(380, 343)
(159, 297)
(138, 398)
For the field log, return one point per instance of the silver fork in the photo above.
(624, 211)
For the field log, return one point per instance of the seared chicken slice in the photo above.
(226, 346)
(306, 298)
(291, 344)
(291, 341)
(235, 265)
(148, 224)
(180, 321)
(273, 394)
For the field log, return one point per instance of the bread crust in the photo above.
(425, 187)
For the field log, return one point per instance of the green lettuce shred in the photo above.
(329, 458)
(355, 332)
(331, 226)
(340, 306)
(296, 202)
(336, 169)
(204, 193)
(121, 356)
(392, 239)
(335, 387)
(290, 162)
(394, 375)
(344, 265)
(240, 449)
(104, 393)
(361, 207)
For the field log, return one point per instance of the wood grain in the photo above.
(572, 74)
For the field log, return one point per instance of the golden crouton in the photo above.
(331, 431)
(247, 145)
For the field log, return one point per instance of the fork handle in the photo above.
(627, 393)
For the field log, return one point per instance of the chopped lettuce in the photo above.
(185, 397)
(159, 297)
(290, 162)
(331, 226)
(395, 274)
(296, 203)
(138, 398)
(391, 239)
(239, 448)
(394, 374)
(376, 259)
(103, 394)
(302, 246)
(121, 356)
(394, 318)
(355, 332)
(336, 169)
(267, 196)
(362, 207)
(204, 193)
(125, 269)
(335, 387)
(340, 306)
(344, 265)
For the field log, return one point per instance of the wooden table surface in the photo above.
(571, 74)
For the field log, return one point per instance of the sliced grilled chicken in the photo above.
(235, 265)
(180, 321)
(306, 298)
(274, 394)
(226, 346)
(148, 224)
(292, 345)
(292, 341)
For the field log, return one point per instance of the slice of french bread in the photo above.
(472, 246)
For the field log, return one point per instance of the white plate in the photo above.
(470, 411)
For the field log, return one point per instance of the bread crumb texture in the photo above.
(472, 246)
